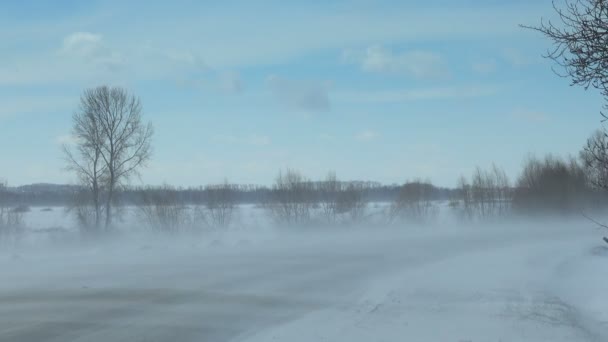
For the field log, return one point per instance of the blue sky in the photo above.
(375, 90)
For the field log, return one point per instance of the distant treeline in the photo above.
(547, 185)
(64, 195)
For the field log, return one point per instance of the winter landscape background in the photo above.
(303, 171)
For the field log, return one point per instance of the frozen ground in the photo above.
(511, 282)
(546, 285)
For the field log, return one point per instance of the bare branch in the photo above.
(112, 144)
(580, 42)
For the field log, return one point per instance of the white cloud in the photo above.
(187, 58)
(334, 29)
(253, 38)
(82, 43)
(112, 61)
(300, 95)
(415, 63)
(259, 140)
(485, 67)
(190, 70)
(530, 116)
(366, 136)
(89, 47)
(422, 94)
(230, 82)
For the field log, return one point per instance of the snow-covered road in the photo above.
(509, 283)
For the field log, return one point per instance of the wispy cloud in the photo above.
(366, 136)
(189, 58)
(192, 71)
(231, 82)
(82, 43)
(423, 94)
(395, 49)
(530, 116)
(484, 67)
(300, 95)
(253, 38)
(91, 49)
(259, 140)
(415, 63)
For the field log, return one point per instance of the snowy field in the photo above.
(518, 281)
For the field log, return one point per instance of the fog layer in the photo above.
(519, 277)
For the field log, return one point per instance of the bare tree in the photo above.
(112, 144)
(579, 40)
(415, 202)
(482, 187)
(11, 219)
(86, 207)
(581, 51)
(341, 202)
(163, 209)
(85, 160)
(351, 203)
(487, 196)
(491, 192)
(329, 190)
(552, 185)
(466, 196)
(291, 199)
(220, 205)
(502, 190)
(595, 159)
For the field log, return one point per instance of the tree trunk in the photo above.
(109, 210)
(97, 207)
(109, 201)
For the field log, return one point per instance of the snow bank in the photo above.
(545, 287)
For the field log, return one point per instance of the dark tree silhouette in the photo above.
(595, 159)
(580, 42)
(580, 48)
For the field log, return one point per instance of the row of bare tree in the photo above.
(416, 202)
(293, 200)
(486, 195)
(164, 210)
(545, 185)
(549, 185)
(112, 143)
(11, 218)
(296, 200)
(565, 185)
